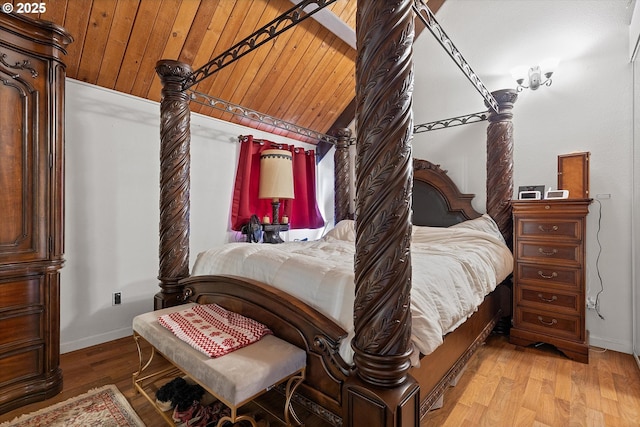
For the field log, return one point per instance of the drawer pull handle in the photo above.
(547, 229)
(552, 276)
(553, 321)
(552, 299)
(547, 253)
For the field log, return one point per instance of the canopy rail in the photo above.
(314, 136)
(452, 122)
(270, 31)
(428, 18)
(210, 101)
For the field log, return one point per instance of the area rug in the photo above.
(100, 407)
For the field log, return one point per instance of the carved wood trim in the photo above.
(24, 245)
(500, 163)
(175, 137)
(384, 89)
(25, 64)
(341, 175)
(424, 170)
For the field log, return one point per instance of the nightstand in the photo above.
(549, 275)
(272, 232)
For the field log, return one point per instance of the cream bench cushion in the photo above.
(234, 378)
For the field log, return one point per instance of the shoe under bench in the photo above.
(235, 378)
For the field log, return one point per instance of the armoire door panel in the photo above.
(23, 195)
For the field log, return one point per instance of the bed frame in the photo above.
(380, 388)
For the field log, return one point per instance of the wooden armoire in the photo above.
(32, 78)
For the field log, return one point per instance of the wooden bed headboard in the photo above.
(437, 202)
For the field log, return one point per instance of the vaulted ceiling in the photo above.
(305, 76)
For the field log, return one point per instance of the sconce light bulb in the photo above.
(534, 78)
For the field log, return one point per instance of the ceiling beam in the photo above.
(331, 22)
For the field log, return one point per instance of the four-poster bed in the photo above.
(381, 387)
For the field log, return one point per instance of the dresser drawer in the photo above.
(21, 328)
(21, 365)
(549, 252)
(549, 228)
(20, 293)
(545, 275)
(548, 299)
(549, 323)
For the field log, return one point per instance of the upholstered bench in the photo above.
(235, 378)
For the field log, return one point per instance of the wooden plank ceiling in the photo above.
(305, 76)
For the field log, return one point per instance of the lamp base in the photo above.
(272, 232)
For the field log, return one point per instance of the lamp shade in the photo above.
(276, 175)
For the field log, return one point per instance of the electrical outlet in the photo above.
(591, 303)
(117, 298)
(603, 196)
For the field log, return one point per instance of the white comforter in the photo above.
(453, 269)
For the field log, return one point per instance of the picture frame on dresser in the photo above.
(573, 174)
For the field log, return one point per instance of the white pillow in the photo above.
(344, 230)
(483, 223)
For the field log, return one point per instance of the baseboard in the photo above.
(619, 346)
(66, 347)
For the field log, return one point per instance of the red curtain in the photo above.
(302, 211)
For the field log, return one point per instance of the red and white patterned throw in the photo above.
(213, 330)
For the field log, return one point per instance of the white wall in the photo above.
(634, 42)
(112, 206)
(587, 108)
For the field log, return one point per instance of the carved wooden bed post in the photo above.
(383, 393)
(175, 137)
(500, 162)
(341, 175)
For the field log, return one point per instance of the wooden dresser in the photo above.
(31, 208)
(549, 275)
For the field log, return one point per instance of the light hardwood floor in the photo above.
(503, 386)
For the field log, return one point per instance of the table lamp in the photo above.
(276, 178)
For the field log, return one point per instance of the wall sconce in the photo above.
(534, 74)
